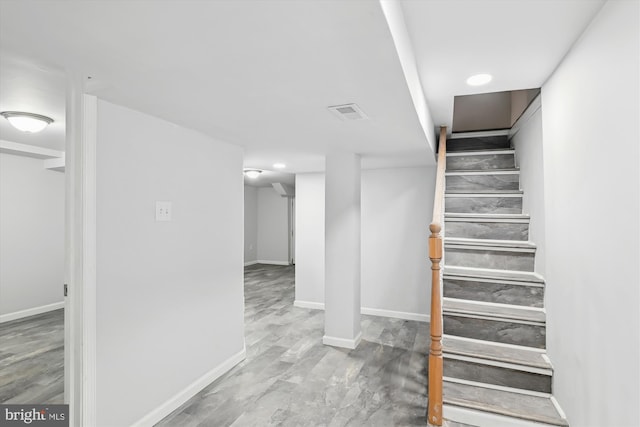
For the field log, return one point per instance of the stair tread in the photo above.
(485, 273)
(506, 312)
(483, 191)
(481, 152)
(489, 242)
(485, 215)
(518, 355)
(509, 171)
(527, 407)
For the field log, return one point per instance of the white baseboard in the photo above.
(30, 312)
(262, 261)
(191, 390)
(248, 263)
(342, 342)
(309, 304)
(370, 311)
(396, 314)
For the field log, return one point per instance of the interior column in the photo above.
(342, 250)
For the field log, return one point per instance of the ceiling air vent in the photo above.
(348, 112)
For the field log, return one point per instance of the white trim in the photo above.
(524, 276)
(262, 261)
(477, 418)
(342, 342)
(479, 134)
(547, 360)
(480, 152)
(56, 164)
(497, 387)
(556, 405)
(189, 391)
(493, 343)
(484, 172)
(493, 304)
(89, 276)
(309, 304)
(417, 317)
(26, 150)
(30, 312)
(248, 263)
(498, 363)
(535, 105)
(395, 314)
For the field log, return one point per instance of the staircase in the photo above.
(496, 371)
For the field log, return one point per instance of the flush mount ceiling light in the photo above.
(27, 122)
(479, 79)
(252, 173)
(279, 165)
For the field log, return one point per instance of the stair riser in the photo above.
(495, 330)
(487, 230)
(481, 162)
(482, 182)
(498, 205)
(480, 143)
(493, 259)
(502, 376)
(501, 293)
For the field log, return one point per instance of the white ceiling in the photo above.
(519, 42)
(28, 86)
(259, 73)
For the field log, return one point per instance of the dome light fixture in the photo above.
(27, 122)
(252, 173)
(279, 165)
(479, 79)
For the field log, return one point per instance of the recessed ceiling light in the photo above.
(279, 165)
(252, 173)
(27, 122)
(479, 79)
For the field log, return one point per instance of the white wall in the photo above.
(396, 208)
(31, 236)
(528, 144)
(169, 294)
(250, 224)
(310, 237)
(590, 109)
(273, 225)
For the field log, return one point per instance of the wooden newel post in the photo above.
(434, 412)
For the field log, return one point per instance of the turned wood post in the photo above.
(434, 413)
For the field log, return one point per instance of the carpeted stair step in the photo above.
(507, 324)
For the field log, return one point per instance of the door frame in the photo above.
(80, 253)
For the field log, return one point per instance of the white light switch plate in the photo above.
(163, 211)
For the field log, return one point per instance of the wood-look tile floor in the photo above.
(32, 359)
(290, 378)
